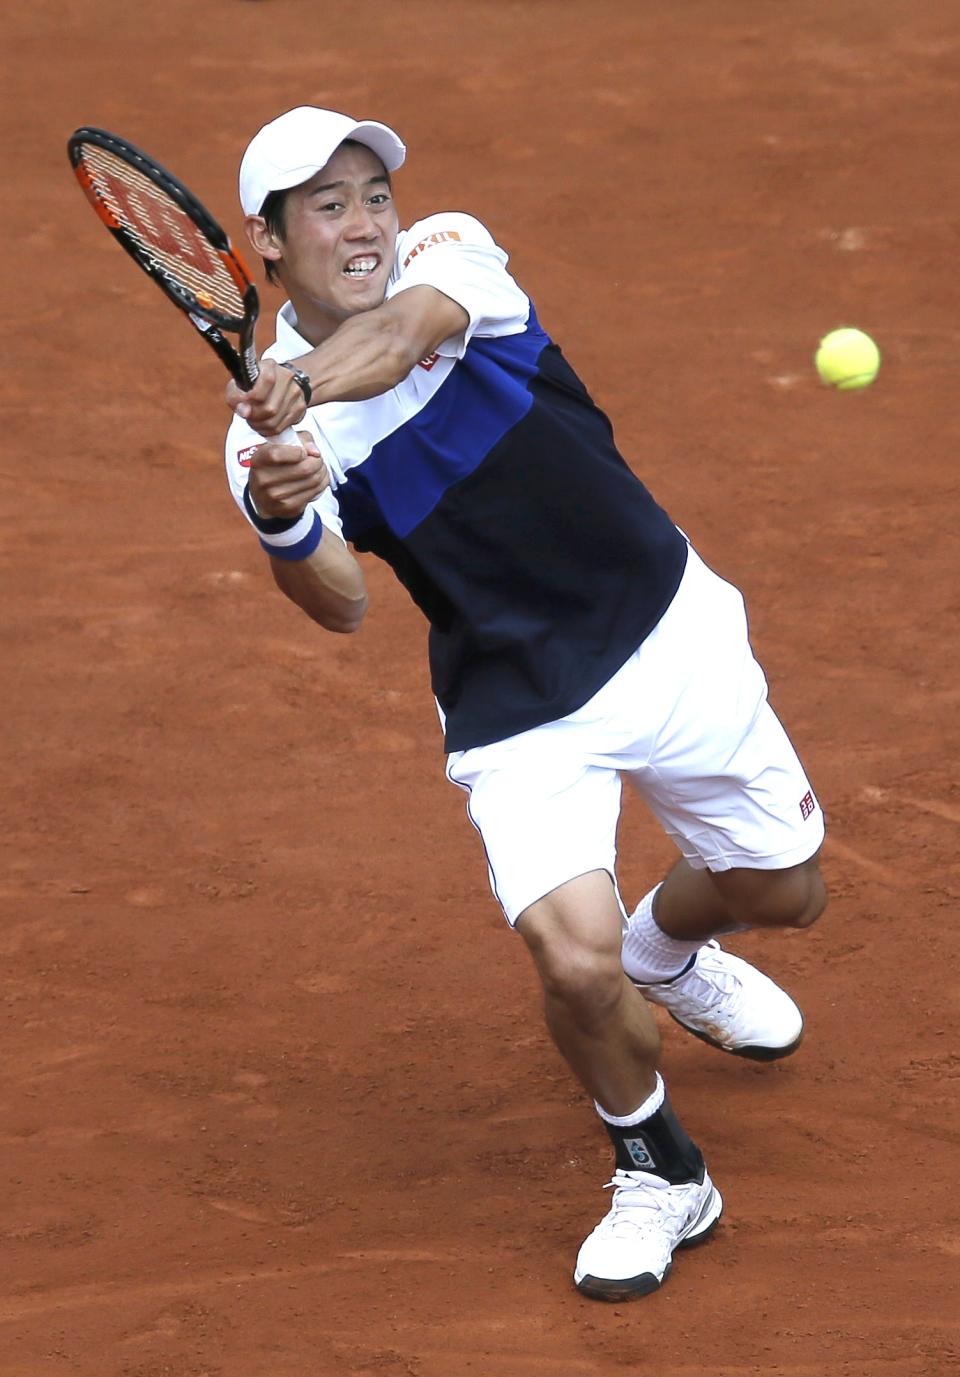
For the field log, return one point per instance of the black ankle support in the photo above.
(660, 1145)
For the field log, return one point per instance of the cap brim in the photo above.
(377, 137)
(383, 141)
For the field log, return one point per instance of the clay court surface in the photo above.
(276, 1098)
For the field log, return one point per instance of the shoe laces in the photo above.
(715, 981)
(640, 1201)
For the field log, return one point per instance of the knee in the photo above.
(593, 995)
(586, 981)
(793, 898)
(574, 936)
(816, 902)
(585, 990)
(810, 897)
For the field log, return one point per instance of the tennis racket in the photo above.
(177, 242)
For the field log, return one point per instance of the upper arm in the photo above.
(457, 256)
(424, 317)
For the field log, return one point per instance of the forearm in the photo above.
(328, 585)
(369, 354)
(365, 357)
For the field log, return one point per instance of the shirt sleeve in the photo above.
(457, 255)
(240, 443)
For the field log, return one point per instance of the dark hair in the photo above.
(274, 210)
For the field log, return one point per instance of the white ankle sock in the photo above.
(649, 1107)
(649, 954)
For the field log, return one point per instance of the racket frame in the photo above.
(210, 323)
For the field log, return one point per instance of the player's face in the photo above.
(339, 241)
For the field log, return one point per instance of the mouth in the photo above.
(362, 266)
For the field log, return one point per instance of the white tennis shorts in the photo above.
(687, 722)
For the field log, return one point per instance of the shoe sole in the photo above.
(627, 1288)
(752, 1053)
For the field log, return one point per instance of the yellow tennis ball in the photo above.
(846, 359)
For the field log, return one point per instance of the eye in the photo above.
(332, 205)
(380, 198)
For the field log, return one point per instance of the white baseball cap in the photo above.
(291, 148)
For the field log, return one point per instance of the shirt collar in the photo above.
(290, 343)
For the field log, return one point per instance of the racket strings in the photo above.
(161, 229)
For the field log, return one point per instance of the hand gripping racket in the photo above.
(177, 242)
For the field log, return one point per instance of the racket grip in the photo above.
(286, 437)
(251, 367)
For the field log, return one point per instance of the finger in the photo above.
(287, 465)
(266, 381)
(252, 401)
(286, 508)
(303, 491)
(287, 501)
(273, 456)
(288, 462)
(271, 419)
(236, 400)
(309, 487)
(308, 442)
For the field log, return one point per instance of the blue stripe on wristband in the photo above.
(302, 548)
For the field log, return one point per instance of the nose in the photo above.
(360, 222)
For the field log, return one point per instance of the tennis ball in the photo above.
(847, 359)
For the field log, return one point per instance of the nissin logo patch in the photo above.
(441, 237)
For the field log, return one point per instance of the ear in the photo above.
(262, 239)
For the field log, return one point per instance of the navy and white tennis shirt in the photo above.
(491, 484)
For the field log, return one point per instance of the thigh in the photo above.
(545, 811)
(723, 777)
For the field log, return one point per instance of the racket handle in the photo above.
(251, 367)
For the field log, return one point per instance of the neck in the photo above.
(314, 322)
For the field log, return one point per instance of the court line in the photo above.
(884, 873)
(15, 1308)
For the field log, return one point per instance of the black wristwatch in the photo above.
(301, 379)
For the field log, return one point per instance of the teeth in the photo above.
(360, 267)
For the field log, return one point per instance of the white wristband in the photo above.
(294, 534)
(299, 542)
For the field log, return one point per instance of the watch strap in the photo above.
(301, 379)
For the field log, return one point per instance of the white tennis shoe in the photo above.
(725, 1001)
(630, 1251)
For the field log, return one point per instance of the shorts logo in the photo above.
(245, 455)
(640, 1154)
(807, 805)
(441, 237)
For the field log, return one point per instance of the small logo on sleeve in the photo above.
(440, 237)
(429, 362)
(807, 805)
(245, 455)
